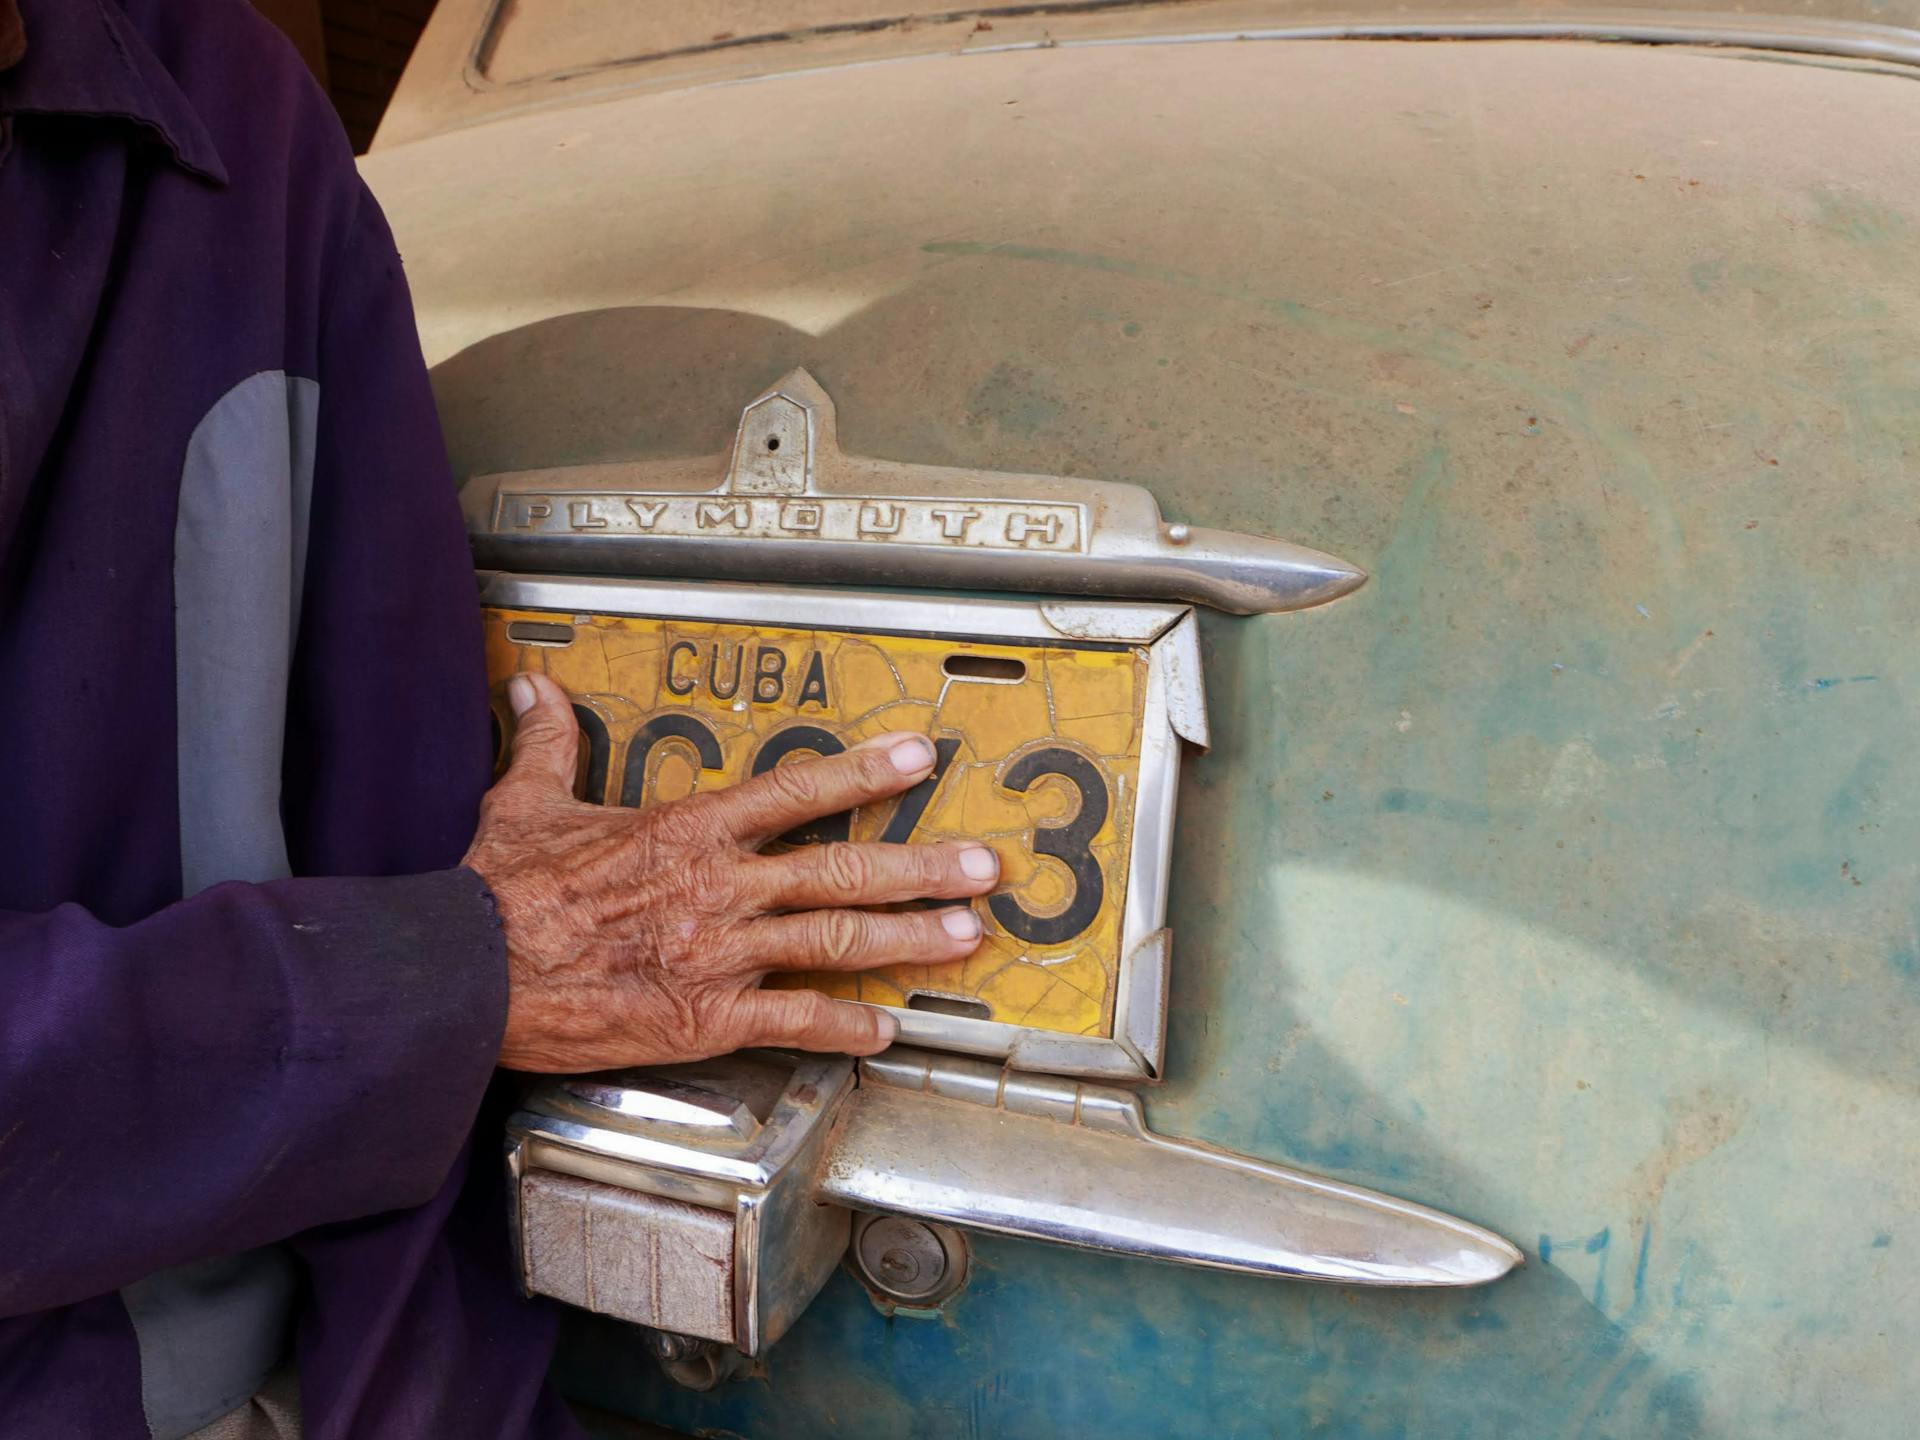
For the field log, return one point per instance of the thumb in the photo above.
(546, 737)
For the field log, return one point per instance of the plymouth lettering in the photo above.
(843, 519)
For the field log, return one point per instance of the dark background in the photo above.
(357, 48)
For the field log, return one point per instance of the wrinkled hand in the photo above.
(641, 937)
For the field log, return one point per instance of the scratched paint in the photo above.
(1603, 362)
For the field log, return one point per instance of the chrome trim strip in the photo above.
(747, 1245)
(801, 607)
(1141, 1019)
(1851, 39)
(1845, 39)
(598, 82)
(1187, 683)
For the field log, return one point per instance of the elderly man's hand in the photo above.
(638, 937)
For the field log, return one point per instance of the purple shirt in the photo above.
(240, 674)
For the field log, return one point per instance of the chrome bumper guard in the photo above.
(713, 1200)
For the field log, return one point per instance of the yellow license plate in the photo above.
(1039, 747)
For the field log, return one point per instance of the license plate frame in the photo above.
(1171, 713)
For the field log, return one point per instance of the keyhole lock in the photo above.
(915, 1263)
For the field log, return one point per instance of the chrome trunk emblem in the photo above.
(788, 505)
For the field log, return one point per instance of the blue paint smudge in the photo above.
(1677, 1399)
(1828, 682)
(1680, 1279)
(1640, 1266)
(1594, 1244)
(1882, 1240)
(1597, 1245)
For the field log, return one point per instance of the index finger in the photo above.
(789, 795)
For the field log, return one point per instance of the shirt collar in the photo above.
(83, 57)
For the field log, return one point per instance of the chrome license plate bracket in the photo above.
(1076, 801)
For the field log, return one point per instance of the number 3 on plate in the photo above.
(1069, 843)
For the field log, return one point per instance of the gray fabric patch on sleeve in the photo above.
(239, 560)
(210, 1332)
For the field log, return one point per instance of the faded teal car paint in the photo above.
(1568, 875)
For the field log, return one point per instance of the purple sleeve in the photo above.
(241, 1065)
(411, 1322)
(388, 748)
(260, 1059)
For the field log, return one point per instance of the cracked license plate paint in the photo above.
(1039, 756)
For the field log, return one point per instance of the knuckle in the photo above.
(795, 785)
(513, 802)
(936, 865)
(669, 825)
(876, 774)
(719, 1016)
(846, 868)
(774, 1017)
(840, 936)
(689, 822)
(537, 732)
(677, 943)
(926, 937)
(713, 882)
(810, 1016)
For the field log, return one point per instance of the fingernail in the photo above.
(889, 1027)
(961, 924)
(979, 863)
(911, 756)
(521, 694)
